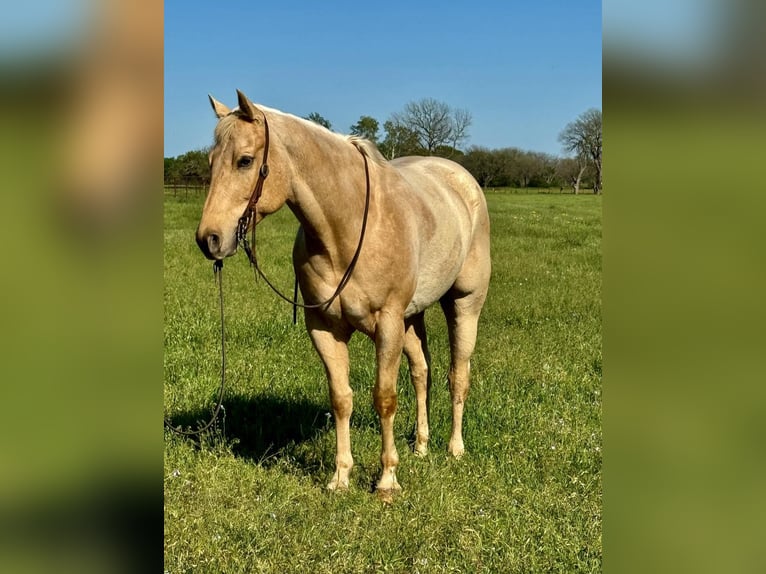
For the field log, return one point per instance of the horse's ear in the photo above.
(249, 111)
(219, 109)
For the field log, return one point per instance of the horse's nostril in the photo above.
(209, 243)
(213, 242)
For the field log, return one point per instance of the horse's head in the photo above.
(235, 161)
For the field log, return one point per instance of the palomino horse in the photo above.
(426, 240)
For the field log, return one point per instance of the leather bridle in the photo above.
(248, 217)
(263, 173)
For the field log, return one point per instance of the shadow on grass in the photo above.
(259, 428)
(268, 430)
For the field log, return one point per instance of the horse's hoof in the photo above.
(387, 488)
(456, 448)
(386, 495)
(337, 486)
(457, 452)
(420, 450)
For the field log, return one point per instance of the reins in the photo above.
(218, 272)
(247, 216)
(242, 224)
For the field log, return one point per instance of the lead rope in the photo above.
(218, 272)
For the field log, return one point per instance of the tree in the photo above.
(172, 175)
(570, 171)
(461, 121)
(528, 166)
(193, 167)
(366, 127)
(510, 162)
(449, 152)
(400, 140)
(318, 119)
(548, 165)
(484, 165)
(434, 123)
(583, 138)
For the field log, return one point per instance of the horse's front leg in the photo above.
(389, 341)
(331, 342)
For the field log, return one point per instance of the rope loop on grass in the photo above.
(218, 272)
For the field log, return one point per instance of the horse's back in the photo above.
(444, 178)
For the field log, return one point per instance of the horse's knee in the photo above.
(385, 404)
(342, 404)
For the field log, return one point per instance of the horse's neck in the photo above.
(327, 185)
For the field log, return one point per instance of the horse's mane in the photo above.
(365, 146)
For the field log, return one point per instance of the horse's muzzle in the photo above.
(212, 245)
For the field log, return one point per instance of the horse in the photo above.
(426, 238)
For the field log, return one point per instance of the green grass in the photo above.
(526, 498)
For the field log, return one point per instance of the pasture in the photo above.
(249, 496)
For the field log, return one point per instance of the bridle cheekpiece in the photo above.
(247, 216)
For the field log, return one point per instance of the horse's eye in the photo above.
(245, 161)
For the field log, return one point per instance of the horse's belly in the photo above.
(424, 298)
(437, 272)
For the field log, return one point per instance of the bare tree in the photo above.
(461, 121)
(583, 137)
(570, 170)
(435, 123)
(430, 120)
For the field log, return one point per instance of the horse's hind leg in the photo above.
(416, 350)
(462, 320)
(332, 346)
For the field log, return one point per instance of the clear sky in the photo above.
(523, 69)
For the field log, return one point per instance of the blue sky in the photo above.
(523, 69)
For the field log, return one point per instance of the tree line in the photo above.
(191, 169)
(430, 127)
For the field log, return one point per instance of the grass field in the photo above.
(526, 498)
